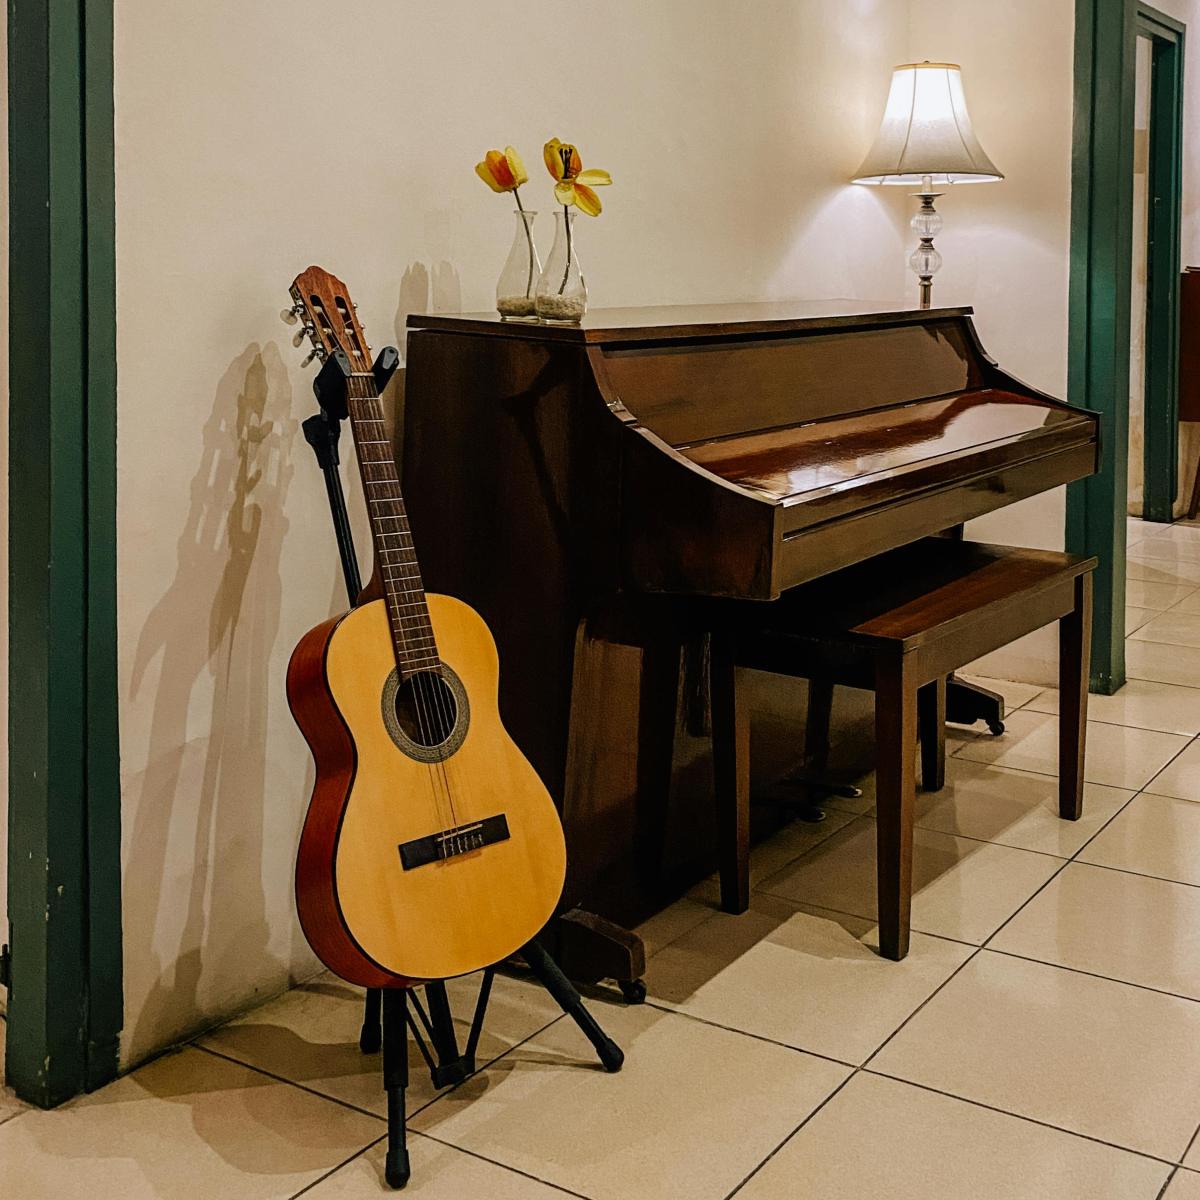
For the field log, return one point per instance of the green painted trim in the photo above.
(1098, 345)
(65, 1005)
(1161, 405)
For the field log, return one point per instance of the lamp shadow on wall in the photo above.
(196, 848)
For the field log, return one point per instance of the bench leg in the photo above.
(1074, 667)
(895, 800)
(931, 719)
(731, 775)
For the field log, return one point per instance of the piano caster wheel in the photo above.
(634, 990)
(995, 728)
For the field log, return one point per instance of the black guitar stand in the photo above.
(392, 1013)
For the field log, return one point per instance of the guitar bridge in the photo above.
(451, 842)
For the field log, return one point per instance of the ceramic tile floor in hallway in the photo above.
(1042, 1039)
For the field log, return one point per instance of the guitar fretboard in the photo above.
(404, 592)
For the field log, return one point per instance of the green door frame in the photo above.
(65, 1006)
(1160, 476)
(1101, 269)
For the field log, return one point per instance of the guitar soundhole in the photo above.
(426, 709)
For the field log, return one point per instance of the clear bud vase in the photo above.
(515, 287)
(561, 292)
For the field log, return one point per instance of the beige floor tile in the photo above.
(1181, 777)
(1135, 618)
(190, 1126)
(438, 1173)
(1185, 1186)
(1192, 1158)
(1117, 755)
(1166, 549)
(692, 1112)
(1174, 531)
(1103, 1059)
(1162, 662)
(881, 1138)
(1154, 835)
(1142, 703)
(1189, 603)
(962, 889)
(310, 1036)
(1173, 627)
(1159, 596)
(776, 852)
(674, 921)
(1015, 694)
(10, 1106)
(1111, 923)
(747, 972)
(1161, 570)
(1014, 808)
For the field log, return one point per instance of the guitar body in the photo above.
(431, 847)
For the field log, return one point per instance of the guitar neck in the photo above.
(403, 589)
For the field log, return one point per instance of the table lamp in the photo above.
(926, 139)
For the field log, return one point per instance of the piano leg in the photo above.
(967, 703)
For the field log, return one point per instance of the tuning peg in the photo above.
(291, 315)
(317, 352)
(303, 332)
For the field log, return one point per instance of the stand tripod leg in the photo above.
(395, 1080)
(560, 987)
(371, 1036)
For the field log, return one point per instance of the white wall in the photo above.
(254, 139)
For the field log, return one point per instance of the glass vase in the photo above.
(515, 287)
(561, 292)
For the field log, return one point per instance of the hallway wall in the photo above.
(730, 173)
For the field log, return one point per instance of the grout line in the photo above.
(1170, 1177)
(1059, 966)
(495, 1162)
(1084, 862)
(763, 1162)
(308, 1187)
(1167, 1162)
(953, 974)
(366, 1112)
(660, 1006)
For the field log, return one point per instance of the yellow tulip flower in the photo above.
(502, 172)
(573, 185)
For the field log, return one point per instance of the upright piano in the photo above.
(581, 486)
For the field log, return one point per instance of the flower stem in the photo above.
(567, 268)
(528, 238)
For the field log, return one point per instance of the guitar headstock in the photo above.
(329, 319)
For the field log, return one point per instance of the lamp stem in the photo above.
(927, 223)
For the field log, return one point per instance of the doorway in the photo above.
(1154, 303)
(1107, 37)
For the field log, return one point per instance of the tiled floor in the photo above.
(1041, 1040)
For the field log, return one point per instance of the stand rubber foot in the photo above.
(370, 1040)
(396, 1168)
(634, 990)
(995, 728)
(612, 1057)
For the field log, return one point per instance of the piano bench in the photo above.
(897, 624)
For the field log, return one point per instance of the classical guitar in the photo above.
(431, 847)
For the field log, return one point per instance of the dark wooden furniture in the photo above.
(580, 486)
(898, 624)
(1189, 363)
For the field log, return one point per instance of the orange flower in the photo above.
(502, 172)
(573, 185)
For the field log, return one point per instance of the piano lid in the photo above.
(689, 321)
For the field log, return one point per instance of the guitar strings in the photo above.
(431, 728)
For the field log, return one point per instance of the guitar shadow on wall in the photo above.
(197, 843)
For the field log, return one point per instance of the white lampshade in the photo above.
(926, 131)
